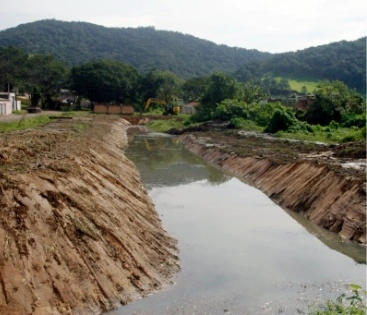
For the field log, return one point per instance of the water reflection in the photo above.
(162, 160)
(356, 251)
(240, 253)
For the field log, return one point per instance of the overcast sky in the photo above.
(266, 25)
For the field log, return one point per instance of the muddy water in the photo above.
(240, 253)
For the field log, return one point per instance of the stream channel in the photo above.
(240, 253)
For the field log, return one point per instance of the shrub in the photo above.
(351, 120)
(345, 305)
(230, 109)
(281, 120)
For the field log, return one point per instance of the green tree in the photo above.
(45, 77)
(332, 101)
(106, 81)
(282, 119)
(13, 63)
(252, 92)
(170, 87)
(221, 86)
(194, 87)
(149, 85)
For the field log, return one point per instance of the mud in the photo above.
(319, 181)
(78, 232)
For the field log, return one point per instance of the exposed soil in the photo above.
(78, 232)
(325, 183)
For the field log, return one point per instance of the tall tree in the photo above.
(332, 100)
(106, 81)
(12, 67)
(252, 92)
(221, 86)
(170, 87)
(194, 87)
(44, 79)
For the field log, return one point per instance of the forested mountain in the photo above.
(144, 48)
(344, 61)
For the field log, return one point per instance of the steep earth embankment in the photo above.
(78, 232)
(313, 185)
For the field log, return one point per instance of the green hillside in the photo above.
(344, 61)
(144, 48)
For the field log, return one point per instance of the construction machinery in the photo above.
(169, 109)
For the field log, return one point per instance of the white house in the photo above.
(8, 103)
(5, 107)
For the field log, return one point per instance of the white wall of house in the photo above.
(15, 105)
(5, 107)
(188, 109)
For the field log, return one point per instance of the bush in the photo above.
(333, 125)
(230, 109)
(281, 120)
(351, 120)
(345, 305)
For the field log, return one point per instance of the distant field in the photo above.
(298, 84)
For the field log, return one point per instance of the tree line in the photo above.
(220, 95)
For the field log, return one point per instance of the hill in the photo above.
(144, 47)
(344, 61)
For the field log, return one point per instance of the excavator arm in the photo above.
(168, 108)
(153, 100)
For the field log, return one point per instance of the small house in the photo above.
(189, 108)
(5, 107)
(303, 102)
(6, 97)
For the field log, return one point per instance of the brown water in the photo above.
(240, 253)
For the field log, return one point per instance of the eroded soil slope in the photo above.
(78, 232)
(324, 183)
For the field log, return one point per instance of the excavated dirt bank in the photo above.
(324, 183)
(78, 232)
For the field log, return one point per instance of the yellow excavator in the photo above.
(169, 109)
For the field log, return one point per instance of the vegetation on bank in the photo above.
(336, 114)
(260, 102)
(353, 304)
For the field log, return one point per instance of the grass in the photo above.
(24, 123)
(353, 304)
(164, 124)
(320, 134)
(77, 113)
(330, 136)
(297, 84)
